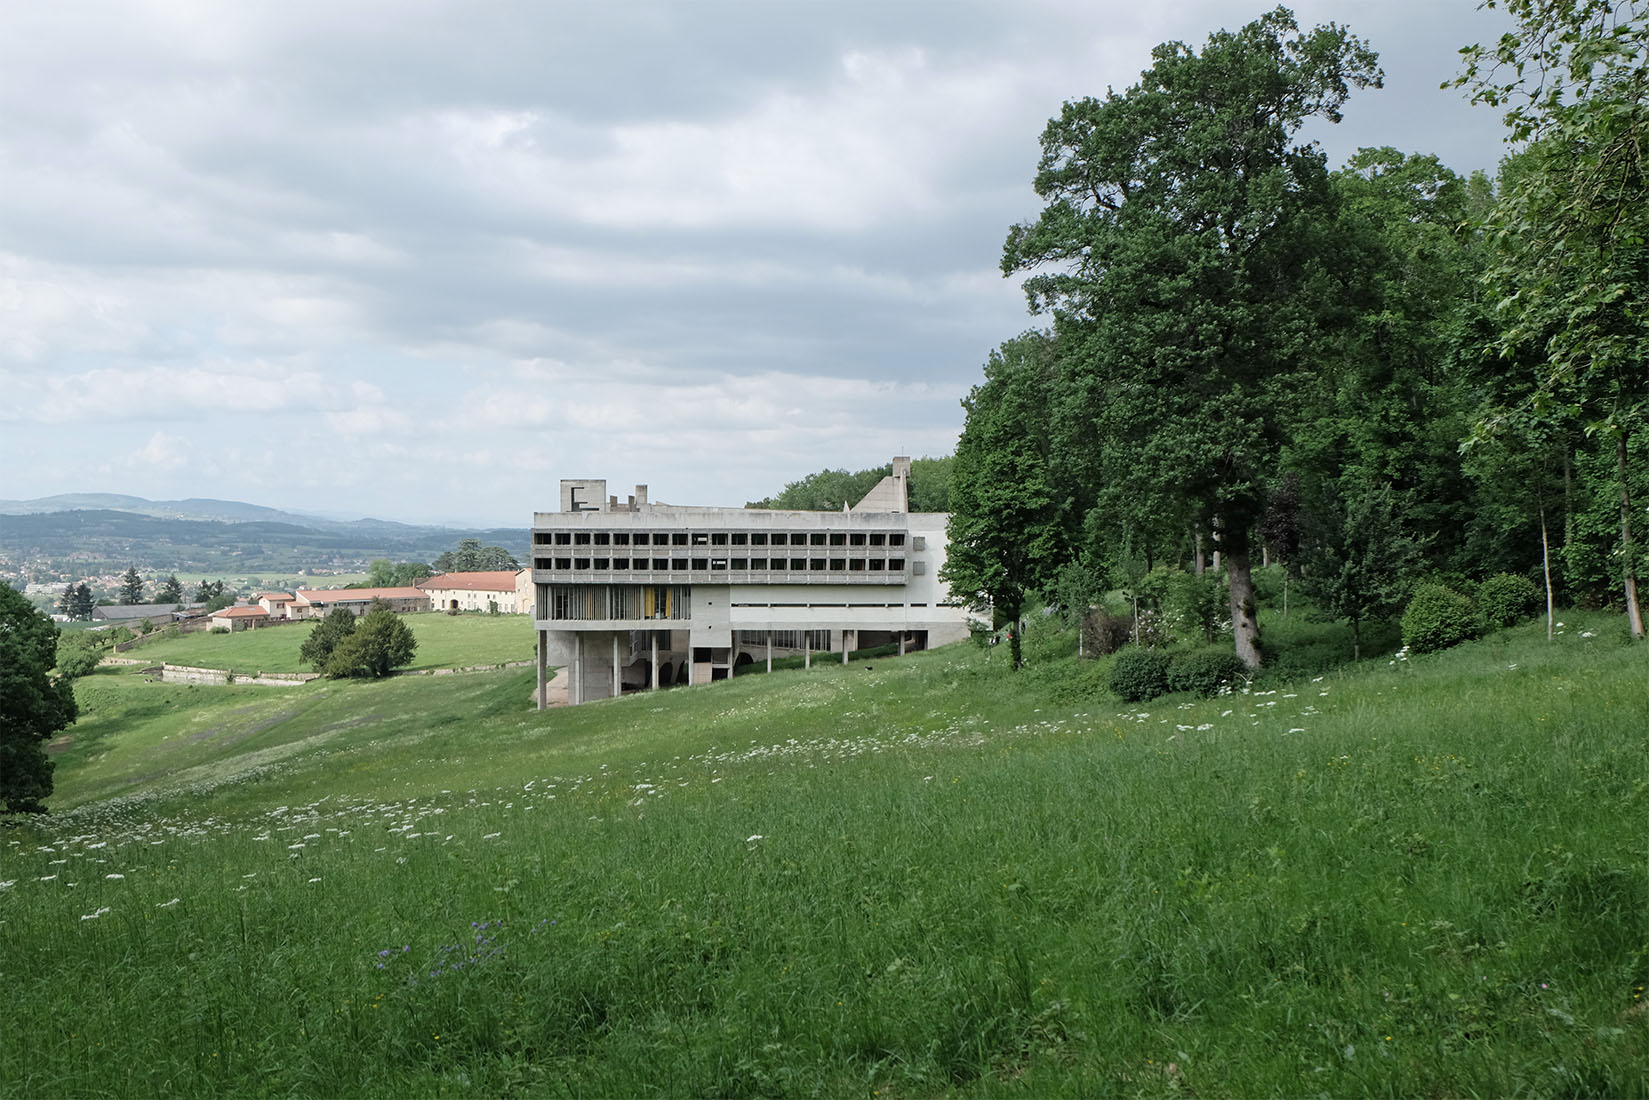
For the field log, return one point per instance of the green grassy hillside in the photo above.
(444, 641)
(909, 877)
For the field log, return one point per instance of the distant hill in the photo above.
(194, 508)
(98, 530)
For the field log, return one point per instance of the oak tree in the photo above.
(1189, 237)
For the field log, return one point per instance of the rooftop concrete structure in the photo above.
(636, 594)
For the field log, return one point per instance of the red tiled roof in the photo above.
(358, 595)
(277, 597)
(497, 580)
(241, 613)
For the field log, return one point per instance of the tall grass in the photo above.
(924, 875)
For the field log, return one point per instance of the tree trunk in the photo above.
(1628, 549)
(1196, 552)
(1013, 644)
(1356, 640)
(1245, 618)
(1546, 563)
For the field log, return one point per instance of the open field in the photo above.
(902, 877)
(444, 641)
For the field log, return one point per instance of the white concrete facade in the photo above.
(634, 594)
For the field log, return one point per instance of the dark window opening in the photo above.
(582, 538)
(581, 563)
(818, 538)
(701, 563)
(678, 563)
(896, 540)
(679, 539)
(877, 565)
(838, 538)
(741, 563)
(741, 540)
(896, 565)
(718, 539)
(759, 539)
(798, 563)
(621, 539)
(641, 538)
(878, 539)
(661, 564)
(838, 565)
(601, 538)
(563, 538)
(755, 563)
(621, 563)
(816, 563)
(857, 539)
(857, 565)
(563, 563)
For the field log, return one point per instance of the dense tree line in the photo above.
(1372, 377)
(831, 490)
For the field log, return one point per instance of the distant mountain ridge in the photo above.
(103, 531)
(194, 508)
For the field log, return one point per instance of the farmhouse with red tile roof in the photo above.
(239, 618)
(314, 603)
(507, 591)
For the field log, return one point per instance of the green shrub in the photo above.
(1104, 633)
(1139, 674)
(1205, 671)
(1437, 618)
(1506, 600)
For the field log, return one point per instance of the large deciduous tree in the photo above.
(33, 704)
(472, 557)
(324, 637)
(1573, 273)
(1004, 536)
(380, 642)
(1188, 240)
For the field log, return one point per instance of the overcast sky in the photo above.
(420, 260)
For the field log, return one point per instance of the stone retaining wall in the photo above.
(186, 674)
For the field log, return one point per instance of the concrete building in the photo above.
(504, 591)
(639, 594)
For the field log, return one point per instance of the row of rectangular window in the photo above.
(717, 565)
(719, 538)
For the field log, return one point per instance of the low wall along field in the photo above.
(184, 674)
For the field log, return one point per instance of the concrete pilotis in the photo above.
(542, 639)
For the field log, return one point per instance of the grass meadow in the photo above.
(904, 877)
(444, 641)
